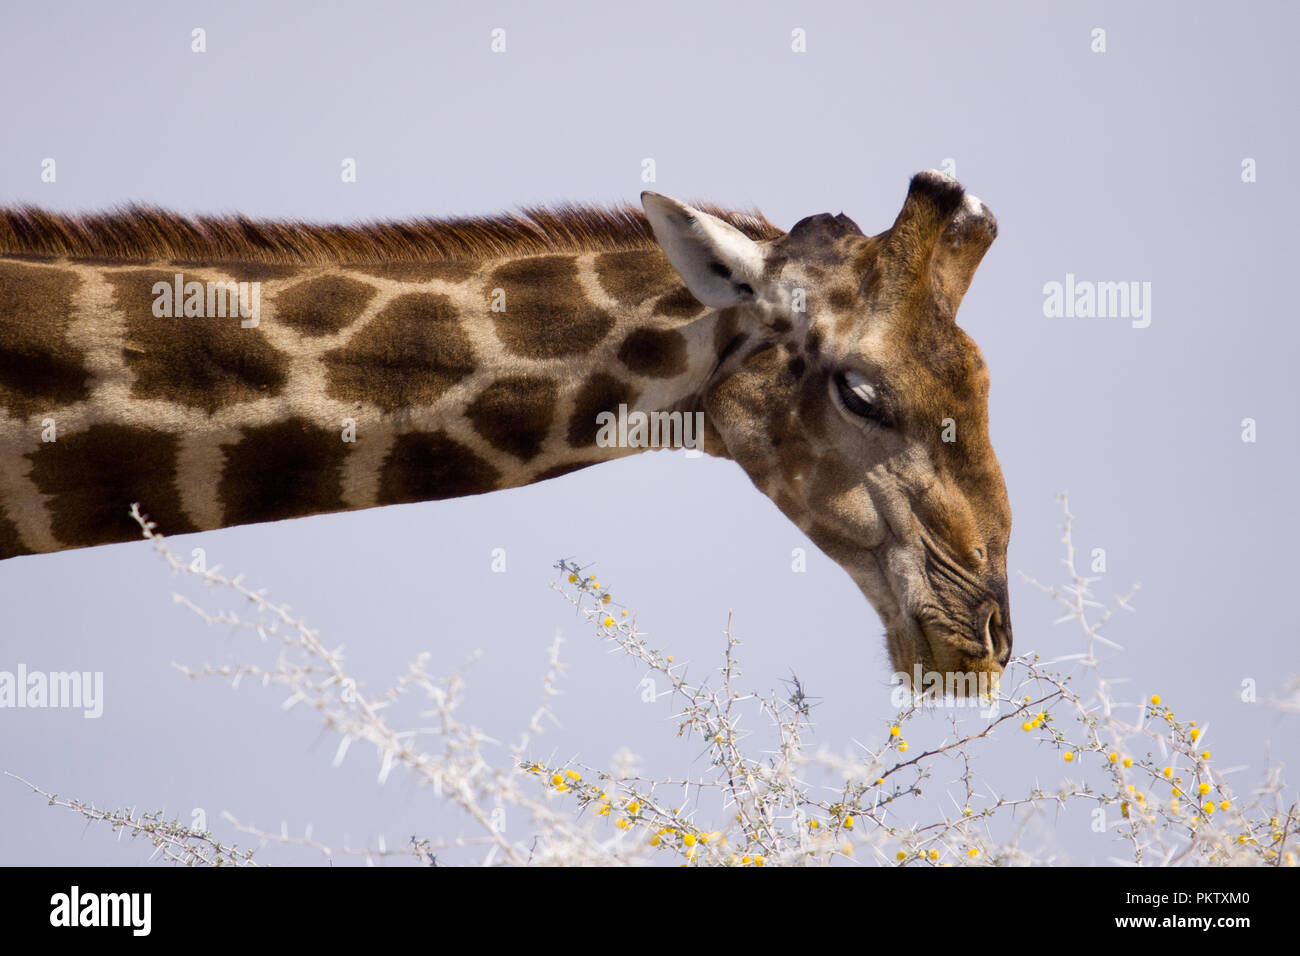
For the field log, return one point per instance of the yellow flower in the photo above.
(813, 824)
(1026, 726)
(746, 859)
(624, 612)
(901, 856)
(621, 823)
(934, 854)
(848, 822)
(633, 806)
(1225, 805)
(605, 599)
(688, 839)
(562, 787)
(1155, 699)
(604, 810)
(902, 746)
(557, 780)
(1068, 756)
(973, 852)
(1196, 732)
(1114, 757)
(1203, 789)
(894, 731)
(654, 840)
(594, 584)
(1205, 755)
(846, 848)
(966, 811)
(609, 622)
(573, 579)
(704, 838)
(670, 658)
(1128, 761)
(760, 860)
(573, 775)
(1168, 772)
(1209, 806)
(880, 781)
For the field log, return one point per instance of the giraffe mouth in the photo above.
(934, 657)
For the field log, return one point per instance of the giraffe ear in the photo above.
(720, 265)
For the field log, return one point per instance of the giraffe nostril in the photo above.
(997, 636)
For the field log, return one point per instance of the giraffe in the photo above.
(389, 363)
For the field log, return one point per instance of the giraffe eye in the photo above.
(860, 397)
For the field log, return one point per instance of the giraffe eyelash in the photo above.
(861, 398)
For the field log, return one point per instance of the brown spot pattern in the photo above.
(279, 471)
(842, 298)
(39, 370)
(659, 353)
(419, 271)
(679, 304)
(600, 393)
(546, 314)
(635, 276)
(813, 343)
(409, 354)
(202, 362)
(10, 544)
(515, 414)
(242, 271)
(93, 477)
(322, 306)
(427, 466)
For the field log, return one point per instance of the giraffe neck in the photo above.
(337, 387)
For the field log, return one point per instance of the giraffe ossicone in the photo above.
(402, 362)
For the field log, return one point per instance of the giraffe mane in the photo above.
(145, 233)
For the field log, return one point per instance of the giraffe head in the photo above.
(847, 392)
